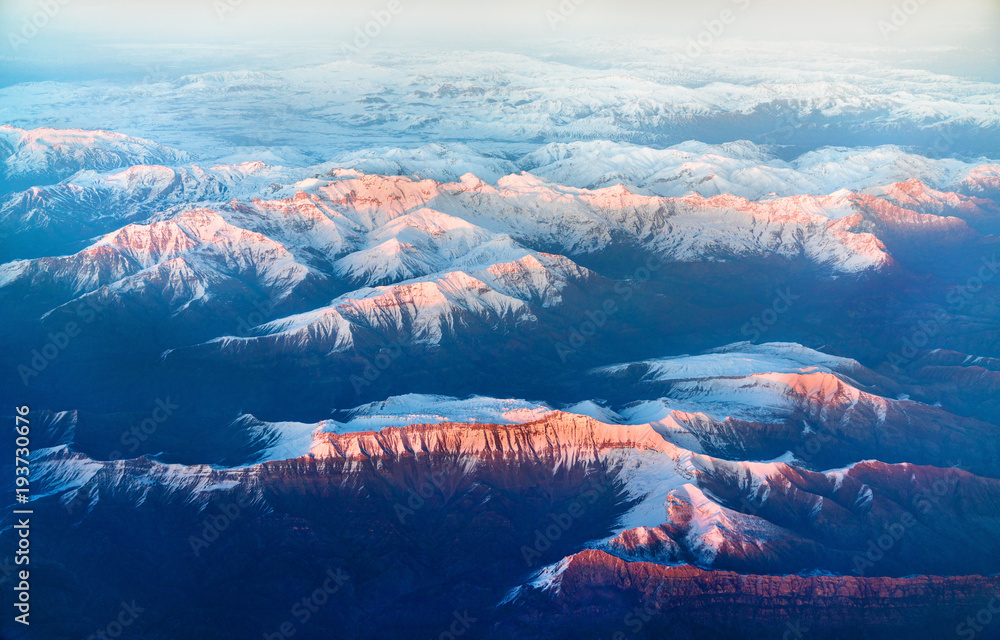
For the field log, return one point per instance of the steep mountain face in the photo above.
(422, 243)
(909, 234)
(314, 508)
(545, 487)
(49, 155)
(983, 181)
(425, 311)
(646, 600)
(775, 518)
(418, 313)
(763, 400)
(55, 218)
(577, 222)
(186, 259)
(916, 194)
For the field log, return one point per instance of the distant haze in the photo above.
(446, 23)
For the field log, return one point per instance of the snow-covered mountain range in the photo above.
(801, 95)
(536, 339)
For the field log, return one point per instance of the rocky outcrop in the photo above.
(647, 600)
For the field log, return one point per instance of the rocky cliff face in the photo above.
(644, 600)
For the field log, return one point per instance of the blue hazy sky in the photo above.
(469, 22)
(88, 39)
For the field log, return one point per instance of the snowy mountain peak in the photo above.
(61, 152)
